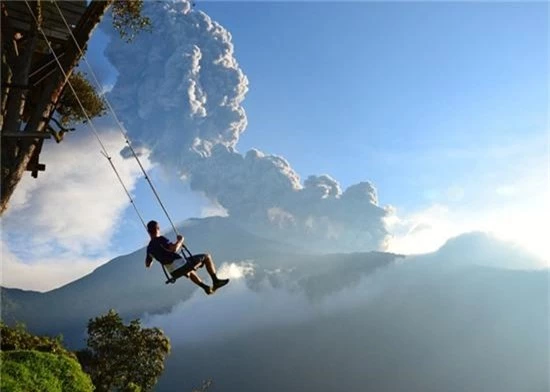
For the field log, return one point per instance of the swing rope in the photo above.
(104, 150)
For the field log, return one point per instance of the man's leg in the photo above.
(211, 268)
(195, 279)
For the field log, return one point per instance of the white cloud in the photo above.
(426, 230)
(48, 274)
(528, 227)
(64, 219)
(505, 190)
(513, 207)
(213, 208)
(78, 199)
(422, 231)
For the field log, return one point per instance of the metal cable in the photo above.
(104, 149)
(120, 126)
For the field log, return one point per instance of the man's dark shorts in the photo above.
(193, 263)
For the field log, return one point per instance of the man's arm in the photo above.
(176, 246)
(148, 260)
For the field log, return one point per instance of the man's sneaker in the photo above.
(220, 283)
(209, 290)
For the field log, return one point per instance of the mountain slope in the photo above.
(126, 285)
(443, 322)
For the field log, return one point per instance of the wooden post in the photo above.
(34, 166)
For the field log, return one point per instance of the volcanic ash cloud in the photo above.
(179, 94)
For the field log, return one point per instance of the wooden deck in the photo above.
(20, 18)
(17, 21)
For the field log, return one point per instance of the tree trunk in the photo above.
(19, 62)
(16, 159)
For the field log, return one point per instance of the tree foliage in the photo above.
(128, 19)
(38, 363)
(18, 338)
(123, 357)
(68, 107)
(27, 371)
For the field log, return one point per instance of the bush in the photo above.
(17, 338)
(34, 371)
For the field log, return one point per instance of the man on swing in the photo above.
(165, 252)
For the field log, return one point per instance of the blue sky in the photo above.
(355, 81)
(442, 106)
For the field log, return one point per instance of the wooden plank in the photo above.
(70, 16)
(34, 135)
(70, 8)
(71, 12)
(36, 168)
(59, 34)
(52, 15)
(53, 22)
(53, 25)
(73, 6)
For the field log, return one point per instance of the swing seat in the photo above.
(173, 276)
(178, 268)
(176, 271)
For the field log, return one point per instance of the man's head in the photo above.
(153, 228)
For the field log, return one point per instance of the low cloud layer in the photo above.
(181, 95)
(257, 299)
(248, 304)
